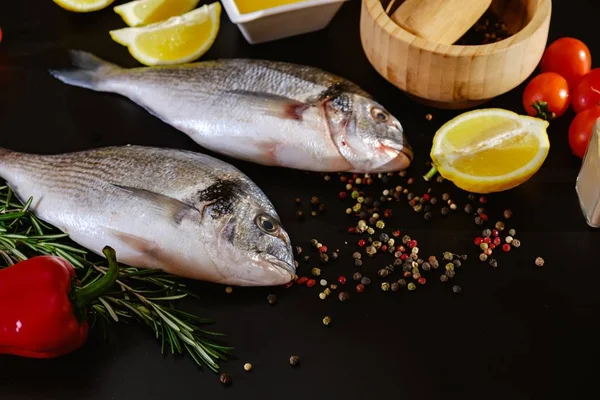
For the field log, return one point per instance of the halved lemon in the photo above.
(83, 5)
(490, 150)
(177, 40)
(144, 12)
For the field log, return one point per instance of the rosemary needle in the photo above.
(142, 295)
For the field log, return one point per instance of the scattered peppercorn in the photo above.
(225, 379)
(468, 209)
(508, 214)
(516, 243)
(311, 283)
(445, 211)
(248, 367)
(228, 290)
(365, 280)
(385, 286)
(456, 289)
(360, 288)
(483, 257)
(539, 261)
(450, 274)
(327, 320)
(344, 296)
(272, 299)
(412, 286)
(315, 271)
(512, 232)
(294, 360)
(493, 263)
(506, 247)
(428, 117)
(444, 278)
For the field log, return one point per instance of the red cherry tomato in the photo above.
(581, 130)
(546, 96)
(587, 93)
(569, 58)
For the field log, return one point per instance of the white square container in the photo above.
(283, 21)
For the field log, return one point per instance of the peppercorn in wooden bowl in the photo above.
(469, 72)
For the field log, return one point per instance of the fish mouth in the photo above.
(401, 147)
(272, 263)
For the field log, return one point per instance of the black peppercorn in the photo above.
(225, 379)
(365, 281)
(272, 299)
(383, 273)
(344, 296)
(426, 266)
(358, 263)
(294, 360)
(445, 211)
(468, 209)
(456, 289)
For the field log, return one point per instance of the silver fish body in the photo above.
(183, 212)
(267, 112)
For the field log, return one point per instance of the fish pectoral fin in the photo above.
(272, 104)
(133, 242)
(162, 205)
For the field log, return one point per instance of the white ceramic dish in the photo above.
(283, 21)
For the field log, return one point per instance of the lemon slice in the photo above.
(177, 40)
(83, 5)
(144, 12)
(490, 150)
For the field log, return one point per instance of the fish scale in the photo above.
(183, 212)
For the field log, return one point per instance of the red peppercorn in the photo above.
(323, 249)
(401, 249)
(404, 256)
(407, 274)
(343, 195)
(362, 242)
(360, 288)
(354, 176)
(426, 197)
(343, 179)
(487, 240)
(383, 248)
(351, 181)
(495, 232)
(342, 280)
(396, 233)
(478, 241)
(422, 280)
(412, 243)
(387, 213)
(369, 181)
(311, 283)
(302, 280)
(506, 247)
(482, 200)
(488, 252)
(492, 246)
(497, 241)
(483, 217)
(351, 229)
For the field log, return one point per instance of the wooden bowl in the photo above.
(455, 76)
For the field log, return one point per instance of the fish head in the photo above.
(256, 247)
(369, 137)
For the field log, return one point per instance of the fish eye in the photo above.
(379, 114)
(266, 224)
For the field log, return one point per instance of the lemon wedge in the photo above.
(83, 5)
(489, 150)
(144, 12)
(177, 40)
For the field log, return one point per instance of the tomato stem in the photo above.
(431, 173)
(84, 296)
(542, 111)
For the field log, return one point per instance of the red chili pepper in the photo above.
(42, 307)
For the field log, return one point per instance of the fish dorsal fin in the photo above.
(161, 205)
(271, 104)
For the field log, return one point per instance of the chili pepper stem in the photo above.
(84, 296)
(430, 174)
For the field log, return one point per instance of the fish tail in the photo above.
(89, 73)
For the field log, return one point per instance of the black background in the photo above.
(515, 332)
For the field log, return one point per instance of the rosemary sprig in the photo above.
(141, 295)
